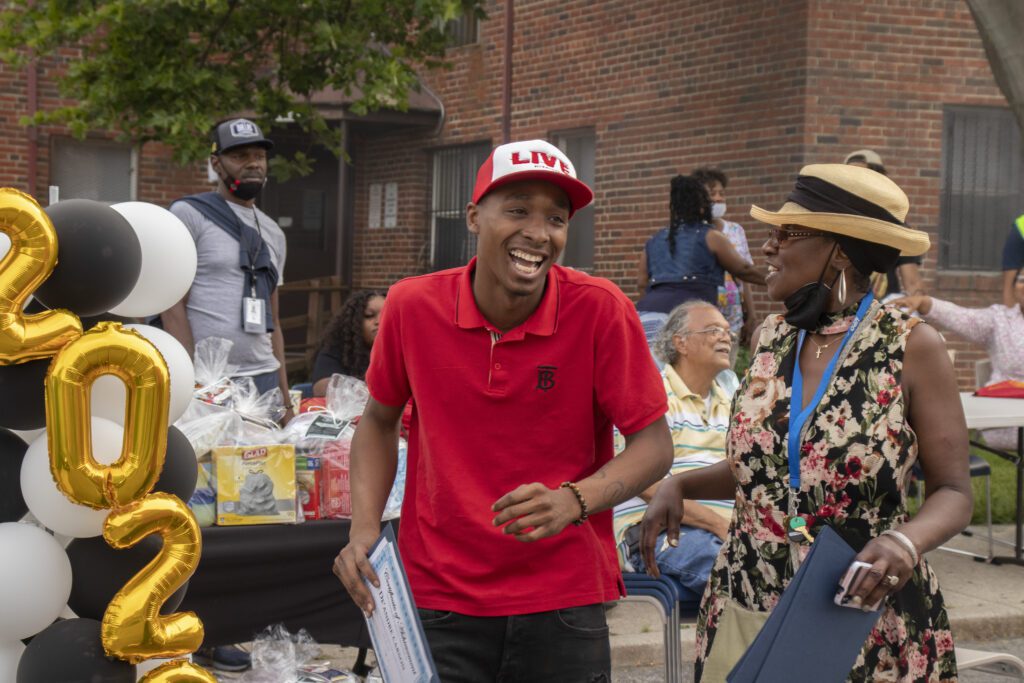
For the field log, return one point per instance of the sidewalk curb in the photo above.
(647, 649)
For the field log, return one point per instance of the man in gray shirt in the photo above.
(241, 261)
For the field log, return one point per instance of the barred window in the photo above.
(579, 146)
(93, 169)
(462, 31)
(454, 174)
(982, 186)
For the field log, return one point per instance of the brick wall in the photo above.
(879, 74)
(159, 178)
(755, 88)
(758, 89)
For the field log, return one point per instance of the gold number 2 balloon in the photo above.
(178, 671)
(133, 628)
(30, 260)
(107, 349)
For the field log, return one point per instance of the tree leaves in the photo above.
(168, 70)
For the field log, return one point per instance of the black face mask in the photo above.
(805, 306)
(243, 189)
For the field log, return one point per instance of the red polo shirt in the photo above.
(490, 414)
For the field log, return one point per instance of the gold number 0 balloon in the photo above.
(133, 628)
(179, 671)
(31, 259)
(107, 348)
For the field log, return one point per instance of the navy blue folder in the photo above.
(808, 637)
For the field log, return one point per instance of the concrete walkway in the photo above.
(985, 602)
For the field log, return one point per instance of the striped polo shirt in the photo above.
(698, 439)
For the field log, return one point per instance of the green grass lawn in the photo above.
(1004, 490)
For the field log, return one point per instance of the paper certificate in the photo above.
(395, 628)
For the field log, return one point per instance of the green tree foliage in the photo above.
(167, 70)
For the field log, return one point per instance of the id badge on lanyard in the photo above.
(254, 313)
(799, 414)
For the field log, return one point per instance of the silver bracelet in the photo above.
(907, 544)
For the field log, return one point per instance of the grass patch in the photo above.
(1004, 491)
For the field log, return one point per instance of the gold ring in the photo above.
(892, 580)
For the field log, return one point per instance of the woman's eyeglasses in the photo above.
(781, 236)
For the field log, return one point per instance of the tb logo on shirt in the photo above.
(545, 377)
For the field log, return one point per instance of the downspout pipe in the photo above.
(506, 105)
(33, 138)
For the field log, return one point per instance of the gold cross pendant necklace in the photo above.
(819, 347)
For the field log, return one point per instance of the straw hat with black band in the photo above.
(864, 210)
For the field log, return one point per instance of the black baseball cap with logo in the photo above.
(238, 133)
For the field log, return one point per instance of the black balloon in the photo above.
(21, 395)
(98, 258)
(98, 571)
(70, 651)
(12, 452)
(180, 470)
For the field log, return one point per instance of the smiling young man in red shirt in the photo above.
(518, 369)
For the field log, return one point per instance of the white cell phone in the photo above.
(849, 580)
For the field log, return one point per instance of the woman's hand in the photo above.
(887, 559)
(664, 513)
(919, 303)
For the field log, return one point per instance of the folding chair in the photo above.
(996, 663)
(663, 594)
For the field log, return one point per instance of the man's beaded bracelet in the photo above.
(579, 497)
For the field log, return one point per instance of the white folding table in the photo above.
(997, 413)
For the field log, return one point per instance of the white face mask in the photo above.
(717, 210)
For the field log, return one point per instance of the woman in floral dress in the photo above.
(889, 400)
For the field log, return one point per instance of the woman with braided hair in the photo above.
(346, 344)
(687, 260)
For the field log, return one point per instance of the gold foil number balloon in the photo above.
(179, 671)
(107, 349)
(133, 628)
(30, 260)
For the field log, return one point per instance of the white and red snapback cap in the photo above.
(531, 160)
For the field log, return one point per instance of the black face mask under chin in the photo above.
(243, 189)
(805, 306)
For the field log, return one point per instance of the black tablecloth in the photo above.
(250, 577)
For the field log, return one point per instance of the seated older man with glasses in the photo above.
(694, 344)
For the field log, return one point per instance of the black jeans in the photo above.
(561, 646)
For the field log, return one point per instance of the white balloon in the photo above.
(35, 580)
(108, 392)
(47, 503)
(147, 665)
(168, 259)
(28, 436)
(10, 655)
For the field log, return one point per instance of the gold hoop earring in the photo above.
(842, 287)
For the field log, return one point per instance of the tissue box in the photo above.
(255, 484)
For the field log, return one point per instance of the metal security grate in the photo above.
(579, 146)
(454, 173)
(92, 169)
(982, 186)
(461, 31)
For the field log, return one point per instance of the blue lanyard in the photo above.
(796, 399)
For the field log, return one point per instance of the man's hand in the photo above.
(289, 413)
(352, 565)
(665, 513)
(536, 512)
